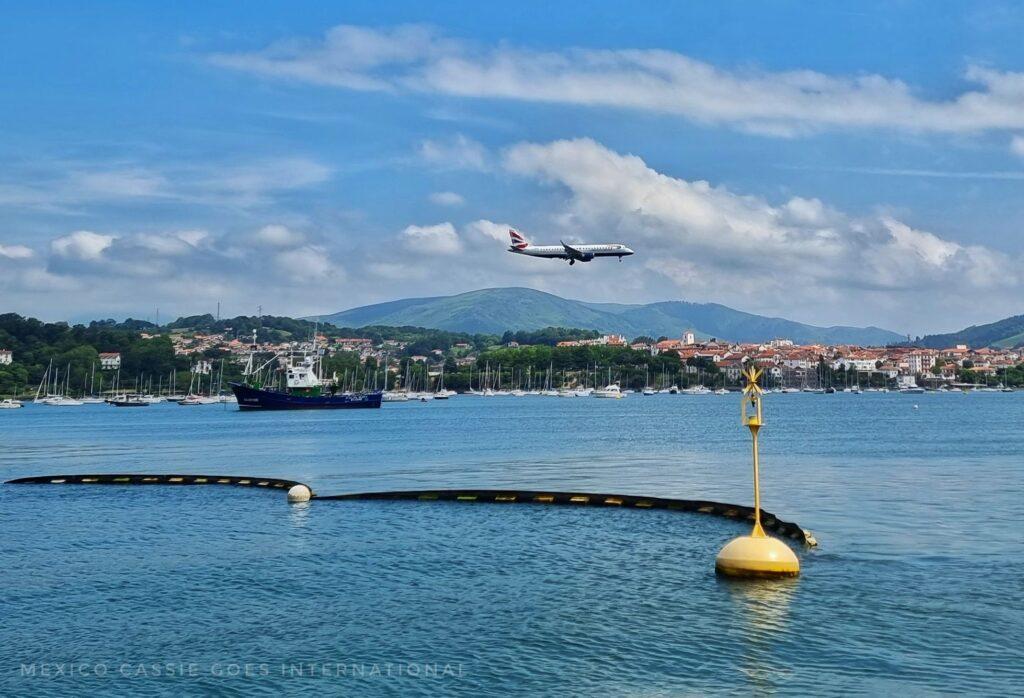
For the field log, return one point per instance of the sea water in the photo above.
(916, 585)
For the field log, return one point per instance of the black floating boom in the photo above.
(139, 479)
(732, 511)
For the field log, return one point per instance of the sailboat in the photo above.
(612, 390)
(93, 398)
(441, 393)
(62, 399)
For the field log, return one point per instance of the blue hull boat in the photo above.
(250, 398)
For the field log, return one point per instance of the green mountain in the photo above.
(1006, 333)
(495, 310)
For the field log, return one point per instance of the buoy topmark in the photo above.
(299, 493)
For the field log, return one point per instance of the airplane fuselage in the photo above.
(579, 253)
(573, 253)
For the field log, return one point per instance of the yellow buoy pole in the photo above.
(758, 532)
(756, 555)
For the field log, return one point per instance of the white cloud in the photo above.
(276, 174)
(307, 264)
(489, 229)
(131, 183)
(185, 270)
(447, 198)
(60, 186)
(440, 239)
(1017, 145)
(715, 244)
(278, 236)
(457, 153)
(82, 245)
(15, 252)
(775, 103)
(173, 244)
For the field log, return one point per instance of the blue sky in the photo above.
(810, 161)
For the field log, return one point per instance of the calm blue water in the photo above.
(917, 585)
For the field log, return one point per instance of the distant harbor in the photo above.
(128, 366)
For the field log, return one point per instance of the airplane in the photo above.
(574, 253)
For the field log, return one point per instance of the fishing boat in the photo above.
(303, 389)
(8, 404)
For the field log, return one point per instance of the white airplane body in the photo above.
(573, 253)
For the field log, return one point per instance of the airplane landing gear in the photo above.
(571, 262)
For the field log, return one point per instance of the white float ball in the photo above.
(299, 493)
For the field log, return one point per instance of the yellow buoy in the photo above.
(756, 555)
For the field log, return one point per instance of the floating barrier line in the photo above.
(269, 483)
(537, 497)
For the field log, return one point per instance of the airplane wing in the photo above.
(571, 252)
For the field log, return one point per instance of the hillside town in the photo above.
(785, 361)
(481, 361)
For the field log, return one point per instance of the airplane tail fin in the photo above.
(518, 241)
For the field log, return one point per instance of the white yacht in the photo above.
(62, 401)
(612, 390)
(8, 404)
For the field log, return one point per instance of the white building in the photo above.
(866, 365)
(906, 382)
(689, 338)
(110, 360)
(797, 362)
(203, 366)
(920, 363)
(6, 357)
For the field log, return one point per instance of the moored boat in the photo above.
(612, 390)
(130, 402)
(303, 389)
